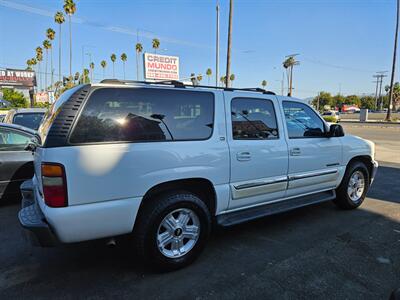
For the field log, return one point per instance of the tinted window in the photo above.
(302, 121)
(12, 141)
(142, 114)
(253, 119)
(30, 120)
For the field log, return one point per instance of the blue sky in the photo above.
(341, 42)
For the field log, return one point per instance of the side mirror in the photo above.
(335, 130)
(33, 143)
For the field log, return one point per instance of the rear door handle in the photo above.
(295, 151)
(243, 156)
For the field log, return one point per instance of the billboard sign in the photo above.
(161, 67)
(13, 77)
(42, 97)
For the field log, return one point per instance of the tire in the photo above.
(151, 226)
(351, 198)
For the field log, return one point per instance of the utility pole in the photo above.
(379, 78)
(228, 56)
(217, 49)
(376, 94)
(389, 112)
(290, 62)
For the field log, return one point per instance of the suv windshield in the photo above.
(30, 120)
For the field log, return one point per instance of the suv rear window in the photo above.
(30, 120)
(144, 114)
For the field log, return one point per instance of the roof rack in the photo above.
(180, 84)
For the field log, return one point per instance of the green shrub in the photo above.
(16, 99)
(330, 119)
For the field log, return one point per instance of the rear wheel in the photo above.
(354, 187)
(172, 230)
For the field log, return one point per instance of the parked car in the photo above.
(16, 164)
(331, 116)
(162, 162)
(27, 117)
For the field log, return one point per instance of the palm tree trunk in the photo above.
(70, 47)
(389, 112)
(59, 56)
(40, 76)
(103, 73)
(291, 81)
(137, 66)
(228, 56)
(123, 65)
(51, 66)
(45, 74)
(113, 71)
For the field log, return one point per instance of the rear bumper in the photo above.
(375, 166)
(32, 219)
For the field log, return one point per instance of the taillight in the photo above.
(54, 185)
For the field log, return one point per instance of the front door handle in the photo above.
(295, 151)
(243, 156)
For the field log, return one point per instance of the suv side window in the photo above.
(302, 121)
(253, 119)
(144, 115)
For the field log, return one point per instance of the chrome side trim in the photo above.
(312, 174)
(260, 183)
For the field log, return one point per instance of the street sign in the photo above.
(161, 67)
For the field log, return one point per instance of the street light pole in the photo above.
(228, 56)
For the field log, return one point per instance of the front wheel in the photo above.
(354, 187)
(172, 230)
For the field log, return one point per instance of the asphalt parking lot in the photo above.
(314, 252)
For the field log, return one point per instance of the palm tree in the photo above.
(70, 9)
(113, 58)
(39, 58)
(124, 57)
(228, 56)
(223, 80)
(232, 78)
(91, 66)
(29, 64)
(199, 78)
(155, 44)
(289, 63)
(47, 46)
(209, 73)
(103, 64)
(85, 76)
(59, 19)
(139, 49)
(50, 33)
(264, 84)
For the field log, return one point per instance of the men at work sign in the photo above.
(161, 67)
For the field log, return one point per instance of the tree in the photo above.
(288, 64)
(264, 84)
(209, 73)
(103, 64)
(59, 19)
(85, 76)
(199, 78)
(91, 66)
(155, 44)
(124, 57)
(354, 100)
(323, 98)
(113, 58)
(139, 49)
(396, 94)
(47, 46)
(70, 9)
(51, 34)
(228, 54)
(223, 80)
(338, 101)
(232, 78)
(16, 99)
(28, 64)
(368, 102)
(39, 58)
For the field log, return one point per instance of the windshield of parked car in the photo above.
(30, 120)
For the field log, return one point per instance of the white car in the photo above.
(163, 162)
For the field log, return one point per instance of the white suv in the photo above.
(163, 162)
